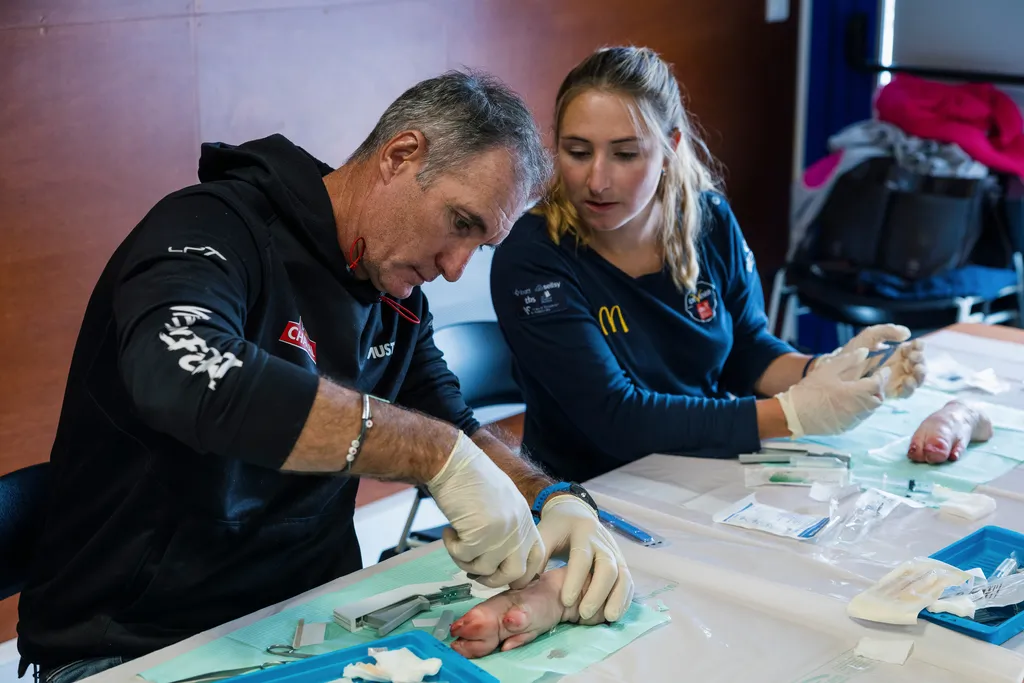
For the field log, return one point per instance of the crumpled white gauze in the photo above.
(961, 606)
(394, 666)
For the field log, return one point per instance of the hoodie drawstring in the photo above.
(399, 308)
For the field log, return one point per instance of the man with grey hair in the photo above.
(257, 343)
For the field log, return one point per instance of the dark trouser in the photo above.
(76, 671)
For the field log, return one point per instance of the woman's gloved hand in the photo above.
(906, 365)
(833, 398)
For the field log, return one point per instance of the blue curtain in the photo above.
(837, 96)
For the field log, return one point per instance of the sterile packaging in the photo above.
(749, 514)
(1006, 567)
(824, 493)
(870, 508)
(1000, 592)
(788, 475)
(900, 595)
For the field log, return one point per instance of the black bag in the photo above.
(881, 216)
(1003, 232)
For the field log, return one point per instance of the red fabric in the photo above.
(979, 117)
(822, 169)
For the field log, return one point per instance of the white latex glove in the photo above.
(831, 399)
(492, 534)
(571, 527)
(906, 366)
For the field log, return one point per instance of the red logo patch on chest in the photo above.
(704, 310)
(295, 334)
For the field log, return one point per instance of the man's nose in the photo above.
(452, 263)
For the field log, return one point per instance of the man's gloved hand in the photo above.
(571, 527)
(492, 533)
(832, 398)
(907, 366)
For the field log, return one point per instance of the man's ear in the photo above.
(404, 153)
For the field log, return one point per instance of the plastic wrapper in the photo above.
(869, 511)
(749, 514)
(792, 475)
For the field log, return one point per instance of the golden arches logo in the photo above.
(609, 313)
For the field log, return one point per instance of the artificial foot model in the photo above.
(515, 617)
(945, 434)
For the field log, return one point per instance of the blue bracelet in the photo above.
(544, 494)
(808, 365)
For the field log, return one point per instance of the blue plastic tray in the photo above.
(327, 667)
(985, 549)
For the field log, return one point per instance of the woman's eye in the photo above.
(578, 153)
(462, 224)
(627, 155)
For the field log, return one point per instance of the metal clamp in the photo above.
(387, 619)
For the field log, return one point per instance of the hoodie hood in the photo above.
(292, 179)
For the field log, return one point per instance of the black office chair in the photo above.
(798, 288)
(22, 509)
(477, 354)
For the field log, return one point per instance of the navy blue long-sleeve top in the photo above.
(614, 368)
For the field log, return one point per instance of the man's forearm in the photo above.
(527, 477)
(402, 445)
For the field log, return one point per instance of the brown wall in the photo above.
(103, 104)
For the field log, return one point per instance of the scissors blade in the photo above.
(883, 356)
(225, 674)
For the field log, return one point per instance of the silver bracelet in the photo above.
(357, 443)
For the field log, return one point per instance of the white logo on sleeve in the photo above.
(202, 251)
(178, 336)
(748, 257)
(381, 350)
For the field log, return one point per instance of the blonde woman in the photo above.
(632, 303)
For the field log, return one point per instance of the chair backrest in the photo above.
(22, 507)
(478, 355)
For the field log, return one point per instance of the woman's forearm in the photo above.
(771, 421)
(782, 373)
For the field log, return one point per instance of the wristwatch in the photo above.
(569, 487)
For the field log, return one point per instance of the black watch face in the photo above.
(582, 493)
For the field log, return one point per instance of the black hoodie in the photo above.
(194, 372)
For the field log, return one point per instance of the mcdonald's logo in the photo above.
(610, 314)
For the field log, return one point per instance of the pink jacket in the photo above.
(978, 117)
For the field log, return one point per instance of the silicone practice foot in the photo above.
(945, 434)
(513, 618)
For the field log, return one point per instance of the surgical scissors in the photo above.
(885, 353)
(288, 651)
(226, 673)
